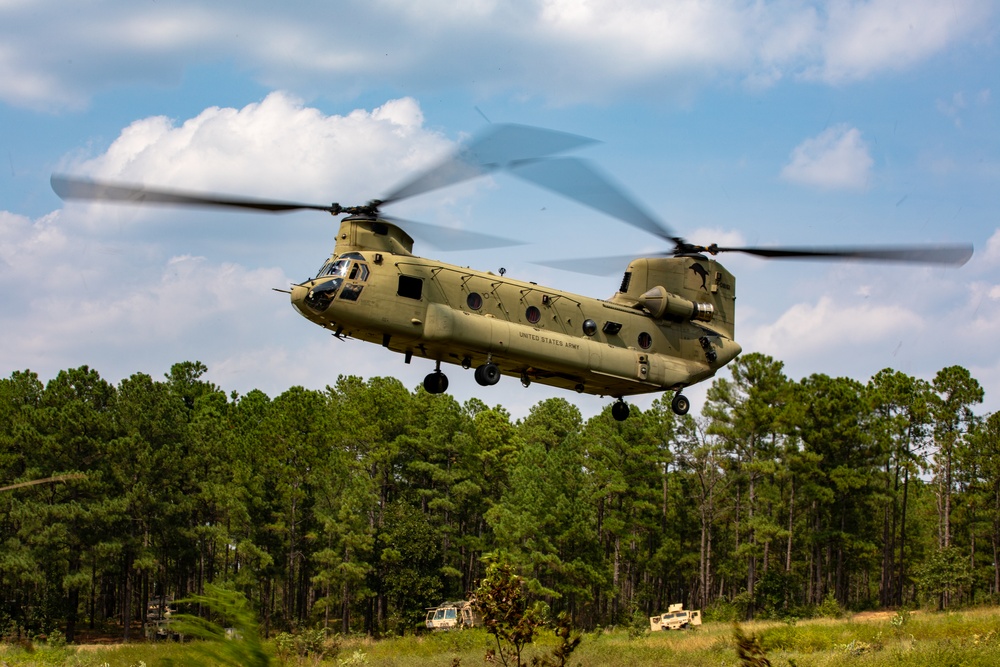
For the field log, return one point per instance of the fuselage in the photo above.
(374, 289)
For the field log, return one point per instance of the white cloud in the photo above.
(279, 146)
(817, 328)
(992, 252)
(55, 56)
(835, 159)
(90, 284)
(861, 38)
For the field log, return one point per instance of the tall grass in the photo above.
(969, 638)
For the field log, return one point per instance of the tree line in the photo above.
(356, 507)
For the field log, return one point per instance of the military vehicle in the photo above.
(676, 618)
(452, 616)
(671, 323)
(158, 614)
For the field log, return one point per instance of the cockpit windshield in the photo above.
(337, 268)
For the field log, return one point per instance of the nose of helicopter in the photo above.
(298, 298)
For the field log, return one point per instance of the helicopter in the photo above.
(670, 325)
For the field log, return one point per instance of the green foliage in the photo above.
(829, 607)
(231, 639)
(748, 648)
(313, 644)
(355, 508)
(568, 643)
(945, 572)
(501, 601)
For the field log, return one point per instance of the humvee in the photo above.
(676, 618)
(452, 615)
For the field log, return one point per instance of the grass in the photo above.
(968, 638)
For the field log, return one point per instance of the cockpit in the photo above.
(351, 267)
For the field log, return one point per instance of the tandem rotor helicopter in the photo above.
(669, 325)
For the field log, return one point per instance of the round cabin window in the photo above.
(533, 314)
(645, 340)
(475, 301)
(589, 327)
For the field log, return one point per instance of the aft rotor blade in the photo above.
(582, 182)
(450, 238)
(953, 255)
(69, 187)
(593, 266)
(496, 147)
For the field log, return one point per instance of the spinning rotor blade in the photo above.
(947, 255)
(69, 187)
(444, 238)
(955, 255)
(581, 182)
(450, 238)
(592, 266)
(498, 146)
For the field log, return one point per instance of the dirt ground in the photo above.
(870, 616)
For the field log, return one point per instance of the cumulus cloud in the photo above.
(100, 284)
(56, 55)
(812, 328)
(278, 145)
(992, 252)
(862, 38)
(836, 159)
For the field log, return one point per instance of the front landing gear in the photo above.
(680, 405)
(620, 410)
(436, 382)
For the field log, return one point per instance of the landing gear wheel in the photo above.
(488, 374)
(680, 405)
(436, 383)
(620, 410)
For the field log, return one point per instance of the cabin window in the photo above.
(645, 340)
(611, 328)
(474, 300)
(351, 292)
(533, 314)
(589, 327)
(410, 287)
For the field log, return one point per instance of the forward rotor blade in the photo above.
(494, 148)
(953, 255)
(581, 182)
(449, 238)
(70, 187)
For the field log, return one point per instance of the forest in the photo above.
(356, 507)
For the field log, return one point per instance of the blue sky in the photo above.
(786, 122)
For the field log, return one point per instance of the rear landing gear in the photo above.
(620, 410)
(680, 405)
(436, 382)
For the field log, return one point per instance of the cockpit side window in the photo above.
(359, 271)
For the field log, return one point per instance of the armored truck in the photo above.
(675, 618)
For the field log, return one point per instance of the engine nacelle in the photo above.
(660, 303)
